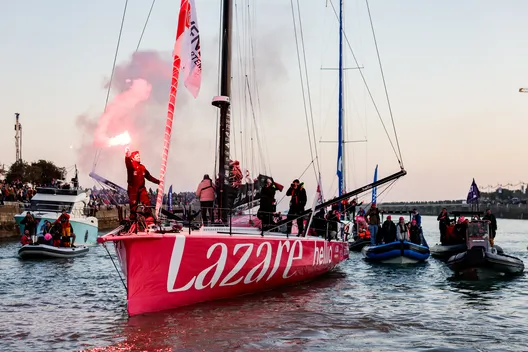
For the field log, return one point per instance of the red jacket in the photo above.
(64, 220)
(136, 174)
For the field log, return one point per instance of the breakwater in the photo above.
(107, 217)
(503, 211)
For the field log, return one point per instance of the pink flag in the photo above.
(192, 59)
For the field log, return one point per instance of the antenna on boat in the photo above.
(18, 138)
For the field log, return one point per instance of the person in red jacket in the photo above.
(136, 174)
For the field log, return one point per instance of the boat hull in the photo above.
(399, 252)
(479, 264)
(166, 271)
(41, 251)
(85, 228)
(357, 245)
(444, 252)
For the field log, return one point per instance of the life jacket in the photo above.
(364, 234)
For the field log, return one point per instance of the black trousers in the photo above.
(207, 207)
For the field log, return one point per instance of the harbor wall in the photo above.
(108, 218)
(503, 211)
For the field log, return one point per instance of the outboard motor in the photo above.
(477, 241)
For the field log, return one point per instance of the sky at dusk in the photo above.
(453, 70)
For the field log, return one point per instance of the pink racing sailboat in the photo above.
(165, 270)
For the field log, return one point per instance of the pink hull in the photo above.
(165, 271)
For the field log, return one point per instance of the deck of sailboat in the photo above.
(209, 232)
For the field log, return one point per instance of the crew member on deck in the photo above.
(136, 174)
(206, 195)
(388, 231)
(267, 204)
(297, 203)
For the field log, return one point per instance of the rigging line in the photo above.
(368, 89)
(254, 119)
(145, 26)
(310, 164)
(384, 83)
(98, 152)
(308, 89)
(302, 82)
(266, 163)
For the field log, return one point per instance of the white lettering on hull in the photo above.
(294, 251)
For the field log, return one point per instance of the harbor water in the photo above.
(80, 304)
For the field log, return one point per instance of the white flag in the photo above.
(192, 58)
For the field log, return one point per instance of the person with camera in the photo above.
(297, 203)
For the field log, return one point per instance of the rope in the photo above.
(145, 26)
(302, 82)
(98, 152)
(368, 90)
(115, 266)
(384, 84)
(308, 89)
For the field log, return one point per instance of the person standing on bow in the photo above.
(492, 225)
(374, 222)
(206, 195)
(136, 174)
(297, 203)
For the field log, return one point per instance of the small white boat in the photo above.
(30, 251)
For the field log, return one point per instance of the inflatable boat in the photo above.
(358, 244)
(481, 260)
(444, 252)
(399, 252)
(30, 251)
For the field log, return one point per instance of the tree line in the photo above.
(41, 172)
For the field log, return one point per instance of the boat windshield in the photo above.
(478, 229)
(51, 206)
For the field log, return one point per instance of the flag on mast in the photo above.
(375, 189)
(187, 31)
(473, 194)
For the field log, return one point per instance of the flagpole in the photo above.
(182, 22)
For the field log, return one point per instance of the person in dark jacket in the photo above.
(267, 204)
(492, 225)
(297, 203)
(29, 223)
(443, 223)
(388, 231)
(374, 222)
(415, 235)
(136, 175)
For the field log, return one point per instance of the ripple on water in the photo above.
(80, 304)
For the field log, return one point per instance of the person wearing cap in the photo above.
(402, 231)
(206, 194)
(136, 174)
(415, 233)
(388, 231)
(297, 203)
(416, 216)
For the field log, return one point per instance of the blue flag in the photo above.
(375, 189)
(473, 194)
(169, 201)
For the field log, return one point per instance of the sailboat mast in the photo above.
(223, 102)
(340, 141)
